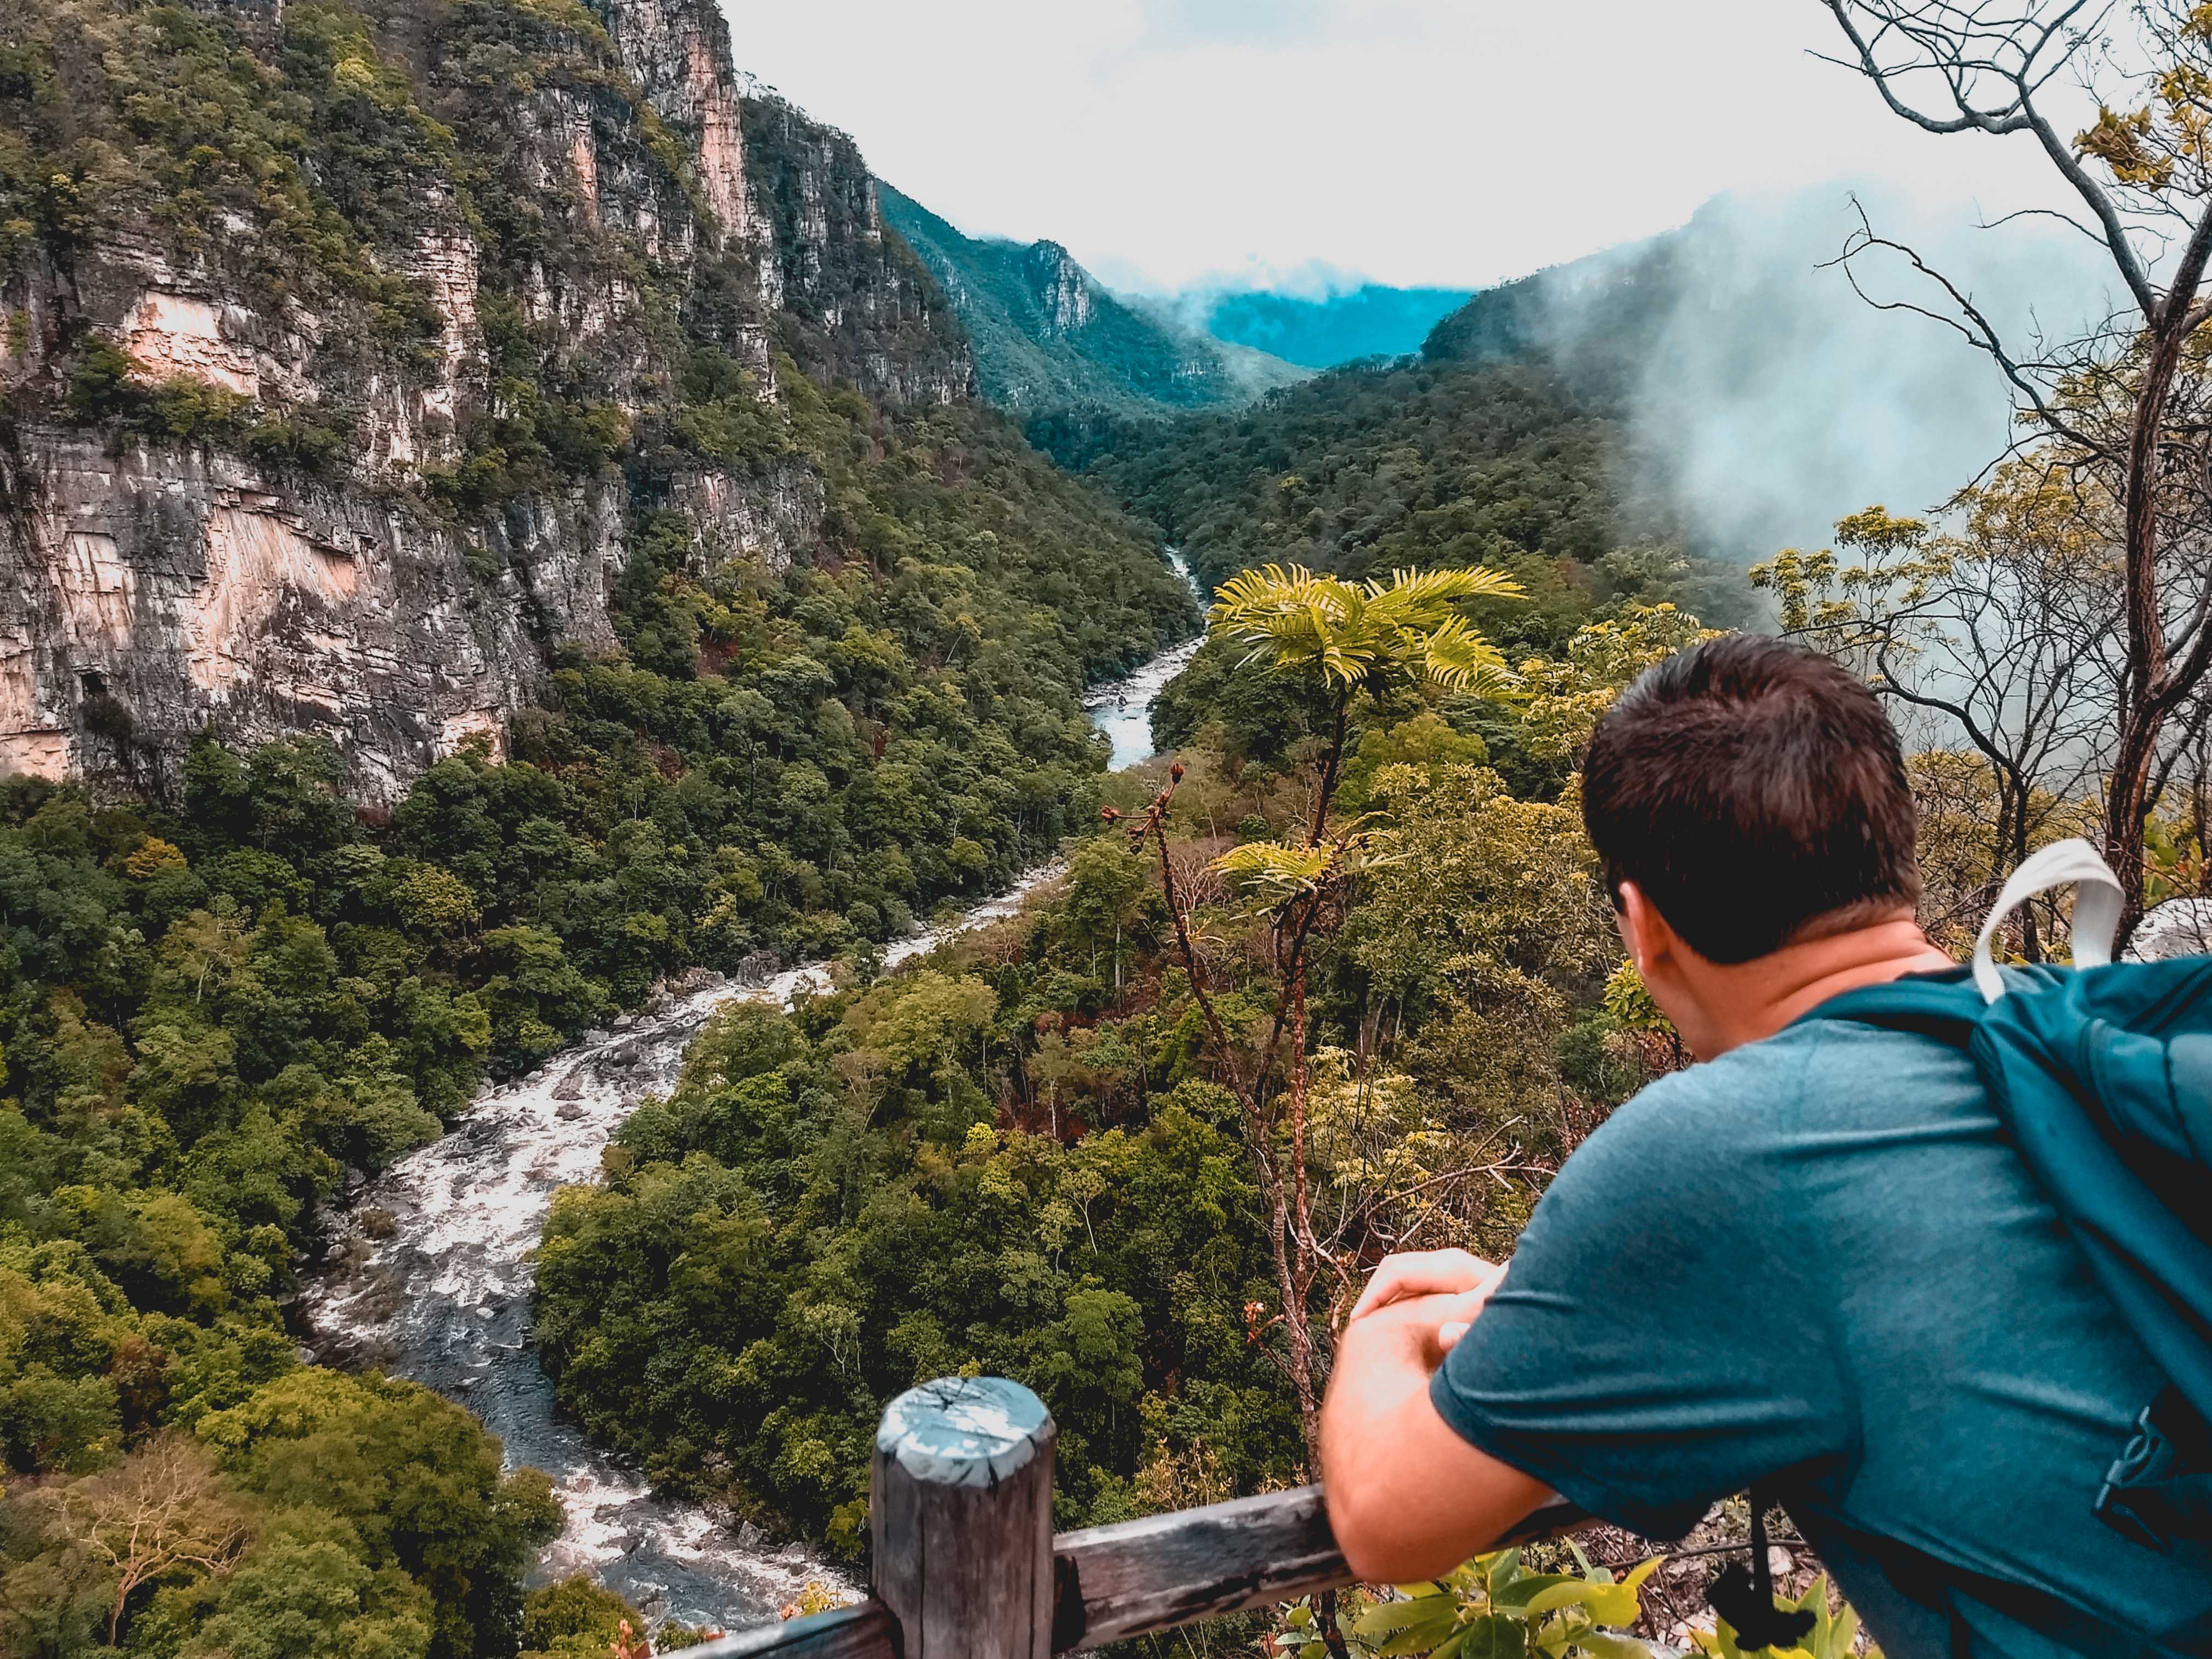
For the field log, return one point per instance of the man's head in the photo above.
(1753, 793)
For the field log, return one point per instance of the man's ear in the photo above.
(1649, 940)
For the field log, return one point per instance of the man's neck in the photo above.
(1768, 994)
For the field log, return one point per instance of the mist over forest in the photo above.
(1767, 398)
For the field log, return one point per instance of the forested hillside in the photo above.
(1362, 470)
(1026, 1159)
(1516, 463)
(1049, 336)
(212, 1010)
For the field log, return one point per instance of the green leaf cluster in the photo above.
(1493, 1607)
(1365, 636)
(1834, 1635)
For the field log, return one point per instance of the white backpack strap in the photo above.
(2096, 907)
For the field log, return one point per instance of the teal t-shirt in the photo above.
(1818, 1260)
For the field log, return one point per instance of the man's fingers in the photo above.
(1422, 1273)
(1462, 1308)
(1414, 1273)
(1456, 1314)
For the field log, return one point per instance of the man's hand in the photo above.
(1431, 1273)
(1421, 1328)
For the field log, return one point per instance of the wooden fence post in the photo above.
(960, 1515)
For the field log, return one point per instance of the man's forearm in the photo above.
(1408, 1498)
(1382, 1361)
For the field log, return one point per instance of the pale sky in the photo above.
(1455, 143)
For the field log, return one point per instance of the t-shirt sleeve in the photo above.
(1662, 1338)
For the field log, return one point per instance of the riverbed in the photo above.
(430, 1277)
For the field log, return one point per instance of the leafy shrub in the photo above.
(1493, 1607)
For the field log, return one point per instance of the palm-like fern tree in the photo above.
(1372, 637)
(1366, 635)
(1353, 638)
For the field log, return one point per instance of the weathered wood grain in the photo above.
(1151, 1575)
(1137, 1577)
(865, 1631)
(960, 1510)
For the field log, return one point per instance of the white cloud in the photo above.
(1456, 141)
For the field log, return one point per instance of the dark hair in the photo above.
(1752, 788)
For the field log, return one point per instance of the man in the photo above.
(1814, 1262)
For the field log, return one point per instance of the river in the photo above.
(1122, 709)
(429, 1273)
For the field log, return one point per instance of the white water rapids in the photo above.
(439, 1292)
(1122, 709)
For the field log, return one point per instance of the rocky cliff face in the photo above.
(1061, 286)
(856, 302)
(343, 357)
(157, 589)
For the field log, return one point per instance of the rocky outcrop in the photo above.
(158, 589)
(856, 303)
(1061, 286)
(794, 199)
(364, 488)
(678, 53)
(772, 523)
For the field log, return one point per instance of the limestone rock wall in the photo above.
(152, 592)
(677, 53)
(857, 305)
(154, 584)
(1062, 287)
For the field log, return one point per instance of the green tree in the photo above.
(1993, 636)
(1348, 639)
(416, 1480)
(575, 1618)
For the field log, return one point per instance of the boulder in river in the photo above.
(690, 982)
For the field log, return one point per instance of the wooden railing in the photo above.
(967, 1565)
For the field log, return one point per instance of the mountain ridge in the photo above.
(1049, 336)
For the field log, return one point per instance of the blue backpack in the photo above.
(2102, 1075)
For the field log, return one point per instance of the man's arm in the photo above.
(1408, 1498)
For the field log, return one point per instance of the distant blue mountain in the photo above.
(1371, 321)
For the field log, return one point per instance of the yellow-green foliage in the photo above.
(1365, 636)
(1492, 1608)
(1834, 1635)
(575, 1618)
